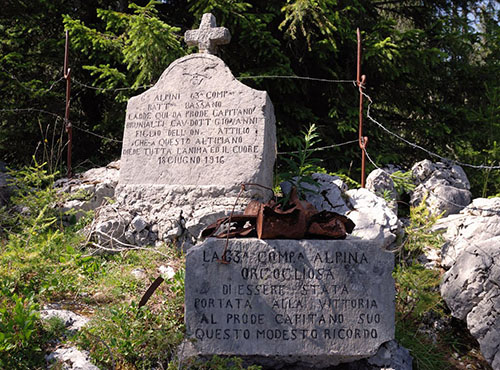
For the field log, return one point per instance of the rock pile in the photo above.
(446, 187)
(471, 285)
(380, 182)
(89, 190)
(373, 217)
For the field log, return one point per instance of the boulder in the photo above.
(380, 182)
(373, 217)
(471, 291)
(328, 196)
(471, 285)
(445, 187)
(70, 359)
(478, 222)
(89, 190)
(72, 321)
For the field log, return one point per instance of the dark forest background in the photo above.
(432, 69)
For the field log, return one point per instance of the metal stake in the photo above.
(360, 80)
(69, 129)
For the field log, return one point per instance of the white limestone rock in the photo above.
(446, 187)
(72, 321)
(328, 196)
(89, 190)
(391, 356)
(70, 359)
(472, 292)
(380, 182)
(371, 214)
(477, 222)
(373, 217)
(471, 285)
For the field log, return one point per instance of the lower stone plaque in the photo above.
(309, 301)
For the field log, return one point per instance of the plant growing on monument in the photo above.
(302, 164)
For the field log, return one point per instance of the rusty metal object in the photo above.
(273, 222)
(150, 291)
(330, 225)
(299, 220)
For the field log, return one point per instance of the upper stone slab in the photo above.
(208, 36)
(199, 126)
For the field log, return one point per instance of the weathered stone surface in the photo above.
(470, 286)
(72, 321)
(478, 222)
(70, 359)
(446, 187)
(391, 356)
(89, 190)
(380, 182)
(471, 290)
(198, 126)
(373, 218)
(327, 197)
(189, 143)
(372, 215)
(208, 36)
(316, 302)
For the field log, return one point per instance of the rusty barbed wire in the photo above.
(368, 114)
(23, 84)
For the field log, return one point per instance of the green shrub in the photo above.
(419, 234)
(126, 335)
(20, 333)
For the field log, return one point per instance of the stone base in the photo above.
(390, 356)
(145, 214)
(314, 302)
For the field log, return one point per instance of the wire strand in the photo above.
(469, 207)
(109, 89)
(296, 78)
(369, 116)
(97, 135)
(21, 110)
(479, 167)
(321, 148)
(22, 84)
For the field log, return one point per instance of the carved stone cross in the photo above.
(208, 36)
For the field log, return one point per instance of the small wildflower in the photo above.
(167, 273)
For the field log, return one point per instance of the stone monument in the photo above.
(193, 138)
(308, 302)
(313, 302)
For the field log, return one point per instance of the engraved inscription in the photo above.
(292, 294)
(178, 130)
